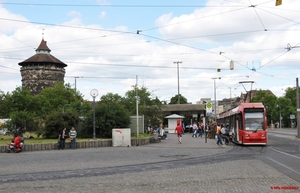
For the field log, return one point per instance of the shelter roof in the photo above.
(174, 116)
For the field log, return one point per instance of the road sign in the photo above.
(292, 116)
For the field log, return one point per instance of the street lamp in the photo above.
(178, 62)
(279, 116)
(137, 110)
(75, 82)
(215, 96)
(94, 93)
(230, 91)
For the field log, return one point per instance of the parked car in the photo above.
(188, 129)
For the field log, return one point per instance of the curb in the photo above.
(80, 145)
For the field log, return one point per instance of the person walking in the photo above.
(179, 131)
(201, 129)
(195, 130)
(73, 135)
(218, 133)
(62, 137)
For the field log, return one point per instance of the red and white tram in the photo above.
(247, 123)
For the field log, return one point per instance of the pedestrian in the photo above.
(179, 131)
(195, 130)
(62, 138)
(201, 129)
(73, 135)
(218, 133)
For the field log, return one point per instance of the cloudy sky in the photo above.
(110, 45)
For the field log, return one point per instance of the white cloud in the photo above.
(74, 14)
(93, 52)
(102, 15)
(103, 2)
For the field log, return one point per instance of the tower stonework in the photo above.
(41, 70)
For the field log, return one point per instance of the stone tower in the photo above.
(41, 70)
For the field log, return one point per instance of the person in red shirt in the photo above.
(179, 131)
(18, 145)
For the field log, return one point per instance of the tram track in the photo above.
(254, 149)
(284, 160)
(284, 155)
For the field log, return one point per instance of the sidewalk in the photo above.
(190, 142)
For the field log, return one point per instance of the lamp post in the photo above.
(75, 82)
(137, 110)
(178, 62)
(230, 91)
(215, 96)
(279, 116)
(94, 93)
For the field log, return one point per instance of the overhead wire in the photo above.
(108, 5)
(194, 19)
(131, 32)
(258, 16)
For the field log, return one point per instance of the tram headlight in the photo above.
(263, 135)
(246, 135)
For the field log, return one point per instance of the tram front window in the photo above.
(254, 121)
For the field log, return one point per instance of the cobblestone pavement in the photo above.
(193, 166)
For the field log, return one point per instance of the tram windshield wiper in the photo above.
(256, 129)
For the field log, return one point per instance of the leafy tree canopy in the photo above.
(174, 99)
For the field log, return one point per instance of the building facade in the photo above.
(41, 70)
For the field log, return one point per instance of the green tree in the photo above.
(285, 108)
(61, 107)
(174, 100)
(4, 104)
(23, 110)
(110, 113)
(149, 107)
(290, 93)
(55, 98)
(56, 121)
(270, 103)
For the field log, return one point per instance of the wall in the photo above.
(81, 144)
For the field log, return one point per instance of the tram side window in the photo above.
(254, 121)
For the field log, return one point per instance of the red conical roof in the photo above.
(43, 46)
(43, 56)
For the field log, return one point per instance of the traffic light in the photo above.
(278, 2)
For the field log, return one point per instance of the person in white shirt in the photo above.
(223, 130)
(73, 135)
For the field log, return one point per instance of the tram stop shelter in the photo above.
(173, 120)
(190, 112)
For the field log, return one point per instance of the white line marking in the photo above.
(296, 171)
(284, 153)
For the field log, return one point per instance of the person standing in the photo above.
(179, 131)
(62, 137)
(73, 135)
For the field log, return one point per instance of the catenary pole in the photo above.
(298, 110)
